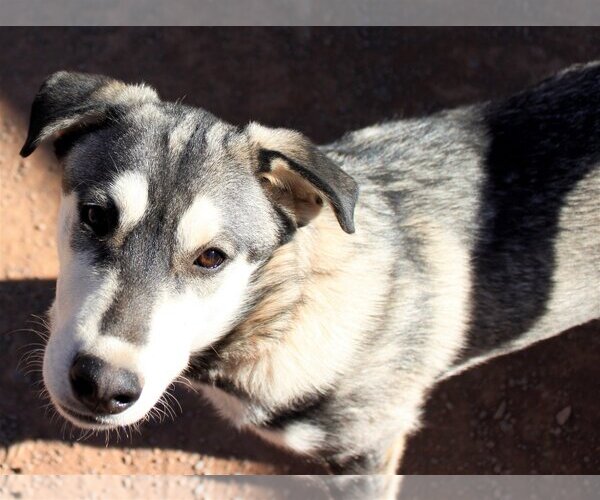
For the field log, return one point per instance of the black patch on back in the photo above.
(543, 142)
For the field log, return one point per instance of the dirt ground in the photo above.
(536, 411)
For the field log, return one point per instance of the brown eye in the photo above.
(210, 259)
(97, 218)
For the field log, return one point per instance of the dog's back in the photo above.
(518, 182)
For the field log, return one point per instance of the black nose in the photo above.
(102, 388)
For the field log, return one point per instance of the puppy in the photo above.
(244, 259)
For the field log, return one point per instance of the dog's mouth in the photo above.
(86, 419)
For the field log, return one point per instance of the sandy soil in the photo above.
(536, 411)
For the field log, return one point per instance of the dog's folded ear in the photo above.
(298, 176)
(68, 102)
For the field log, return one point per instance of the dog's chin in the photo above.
(87, 421)
(90, 421)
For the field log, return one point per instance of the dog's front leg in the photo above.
(373, 474)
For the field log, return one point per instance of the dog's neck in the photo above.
(310, 297)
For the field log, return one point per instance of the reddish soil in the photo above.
(536, 411)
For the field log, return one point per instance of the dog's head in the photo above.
(167, 212)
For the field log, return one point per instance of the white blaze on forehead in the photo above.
(199, 224)
(130, 193)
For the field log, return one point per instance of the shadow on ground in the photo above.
(499, 417)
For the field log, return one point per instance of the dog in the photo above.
(245, 260)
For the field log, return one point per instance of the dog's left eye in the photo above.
(96, 218)
(210, 259)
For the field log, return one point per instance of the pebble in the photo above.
(563, 415)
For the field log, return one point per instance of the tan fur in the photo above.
(393, 481)
(122, 93)
(393, 455)
(327, 293)
(292, 144)
(449, 276)
(298, 196)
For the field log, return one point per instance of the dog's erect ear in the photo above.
(298, 176)
(73, 101)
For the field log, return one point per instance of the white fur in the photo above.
(301, 437)
(199, 224)
(130, 193)
(117, 352)
(182, 323)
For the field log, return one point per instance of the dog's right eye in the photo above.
(96, 218)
